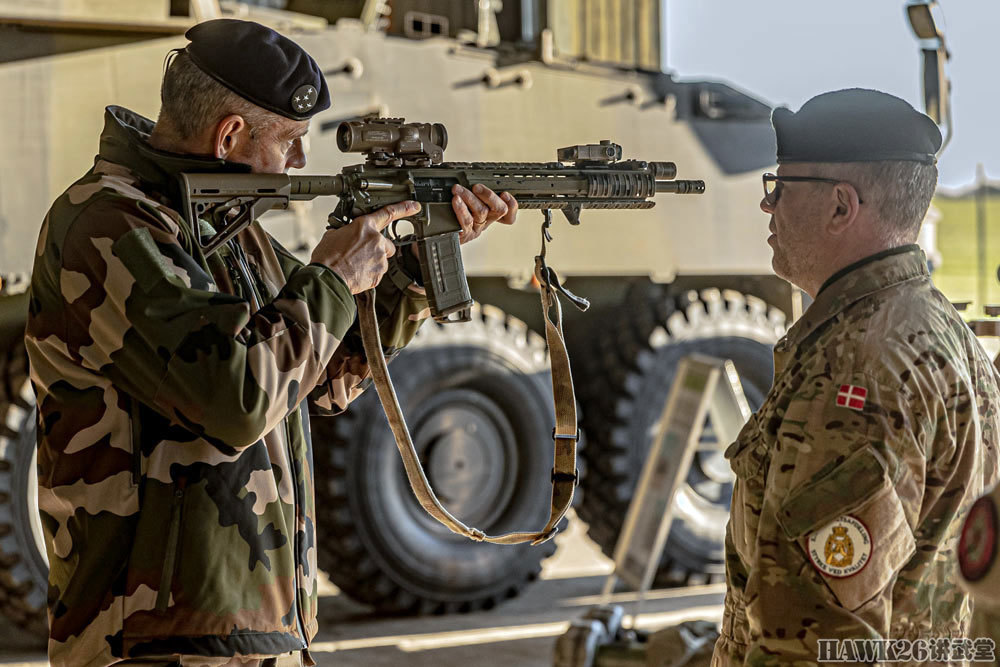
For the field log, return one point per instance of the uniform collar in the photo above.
(855, 282)
(125, 141)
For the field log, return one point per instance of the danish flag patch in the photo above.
(851, 396)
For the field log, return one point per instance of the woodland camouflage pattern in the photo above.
(908, 465)
(175, 480)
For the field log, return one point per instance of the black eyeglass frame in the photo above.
(768, 177)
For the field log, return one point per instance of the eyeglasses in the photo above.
(772, 185)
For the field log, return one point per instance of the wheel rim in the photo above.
(462, 438)
(484, 507)
(503, 445)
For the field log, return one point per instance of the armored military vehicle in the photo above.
(511, 82)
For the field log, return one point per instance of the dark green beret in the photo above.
(260, 65)
(855, 125)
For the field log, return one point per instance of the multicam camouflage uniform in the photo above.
(882, 419)
(175, 480)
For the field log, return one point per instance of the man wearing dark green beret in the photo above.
(174, 472)
(882, 426)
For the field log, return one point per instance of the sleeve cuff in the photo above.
(329, 298)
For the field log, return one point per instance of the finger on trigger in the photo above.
(387, 215)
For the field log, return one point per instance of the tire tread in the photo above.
(650, 317)
(17, 588)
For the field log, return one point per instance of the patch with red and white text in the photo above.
(977, 547)
(852, 396)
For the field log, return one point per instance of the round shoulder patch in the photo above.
(977, 547)
(304, 98)
(842, 548)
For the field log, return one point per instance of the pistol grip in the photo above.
(444, 275)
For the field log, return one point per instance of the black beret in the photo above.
(260, 65)
(855, 125)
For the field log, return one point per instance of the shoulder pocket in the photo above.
(852, 527)
(839, 491)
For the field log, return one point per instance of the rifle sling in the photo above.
(565, 434)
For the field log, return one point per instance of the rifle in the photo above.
(405, 162)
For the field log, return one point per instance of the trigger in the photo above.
(333, 221)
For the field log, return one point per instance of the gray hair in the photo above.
(899, 191)
(191, 101)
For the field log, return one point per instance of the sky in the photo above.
(786, 51)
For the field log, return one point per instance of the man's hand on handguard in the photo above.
(358, 252)
(478, 208)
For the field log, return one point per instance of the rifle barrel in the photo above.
(681, 187)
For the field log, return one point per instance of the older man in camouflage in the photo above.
(174, 472)
(881, 427)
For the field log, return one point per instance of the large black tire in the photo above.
(477, 398)
(23, 564)
(627, 382)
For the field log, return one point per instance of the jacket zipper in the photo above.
(239, 260)
(295, 540)
(173, 542)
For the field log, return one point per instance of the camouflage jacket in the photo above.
(174, 476)
(879, 431)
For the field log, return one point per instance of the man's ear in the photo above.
(847, 207)
(228, 135)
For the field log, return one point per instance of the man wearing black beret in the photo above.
(175, 482)
(882, 425)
